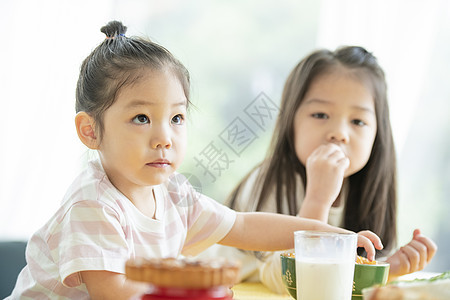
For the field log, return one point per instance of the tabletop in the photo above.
(255, 291)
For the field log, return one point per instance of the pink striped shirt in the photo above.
(98, 228)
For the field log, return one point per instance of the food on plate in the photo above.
(183, 272)
(288, 254)
(435, 288)
(364, 261)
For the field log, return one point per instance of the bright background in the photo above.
(235, 50)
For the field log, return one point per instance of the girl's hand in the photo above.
(325, 169)
(412, 257)
(110, 285)
(369, 241)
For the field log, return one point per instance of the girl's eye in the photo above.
(141, 119)
(358, 122)
(320, 116)
(178, 119)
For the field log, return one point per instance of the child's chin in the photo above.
(158, 180)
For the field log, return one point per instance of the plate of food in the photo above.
(434, 288)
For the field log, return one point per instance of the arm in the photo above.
(269, 232)
(325, 169)
(249, 262)
(109, 285)
(412, 257)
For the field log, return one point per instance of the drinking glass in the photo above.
(325, 263)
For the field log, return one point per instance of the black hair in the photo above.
(117, 62)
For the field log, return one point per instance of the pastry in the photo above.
(183, 273)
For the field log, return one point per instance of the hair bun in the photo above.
(113, 29)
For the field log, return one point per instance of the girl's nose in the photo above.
(162, 145)
(161, 139)
(338, 134)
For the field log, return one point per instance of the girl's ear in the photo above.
(85, 128)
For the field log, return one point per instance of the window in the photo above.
(239, 54)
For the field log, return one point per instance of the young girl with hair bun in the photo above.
(131, 101)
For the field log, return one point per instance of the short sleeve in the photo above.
(208, 221)
(89, 237)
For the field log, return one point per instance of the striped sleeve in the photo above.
(209, 222)
(89, 237)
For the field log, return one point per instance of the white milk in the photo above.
(324, 280)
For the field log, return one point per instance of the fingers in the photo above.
(368, 246)
(338, 156)
(403, 262)
(328, 155)
(325, 169)
(331, 151)
(341, 160)
(413, 257)
(431, 247)
(417, 254)
(375, 239)
(369, 241)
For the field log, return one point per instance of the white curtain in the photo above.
(42, 47)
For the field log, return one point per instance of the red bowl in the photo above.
(163, 293)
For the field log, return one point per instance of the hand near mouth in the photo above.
(325, 169)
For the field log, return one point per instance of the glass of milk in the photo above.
(324, 263)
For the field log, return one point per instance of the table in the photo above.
(255, 291)
(418, 275)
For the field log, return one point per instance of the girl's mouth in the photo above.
(160, 163)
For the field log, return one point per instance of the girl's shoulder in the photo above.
(92, 185)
